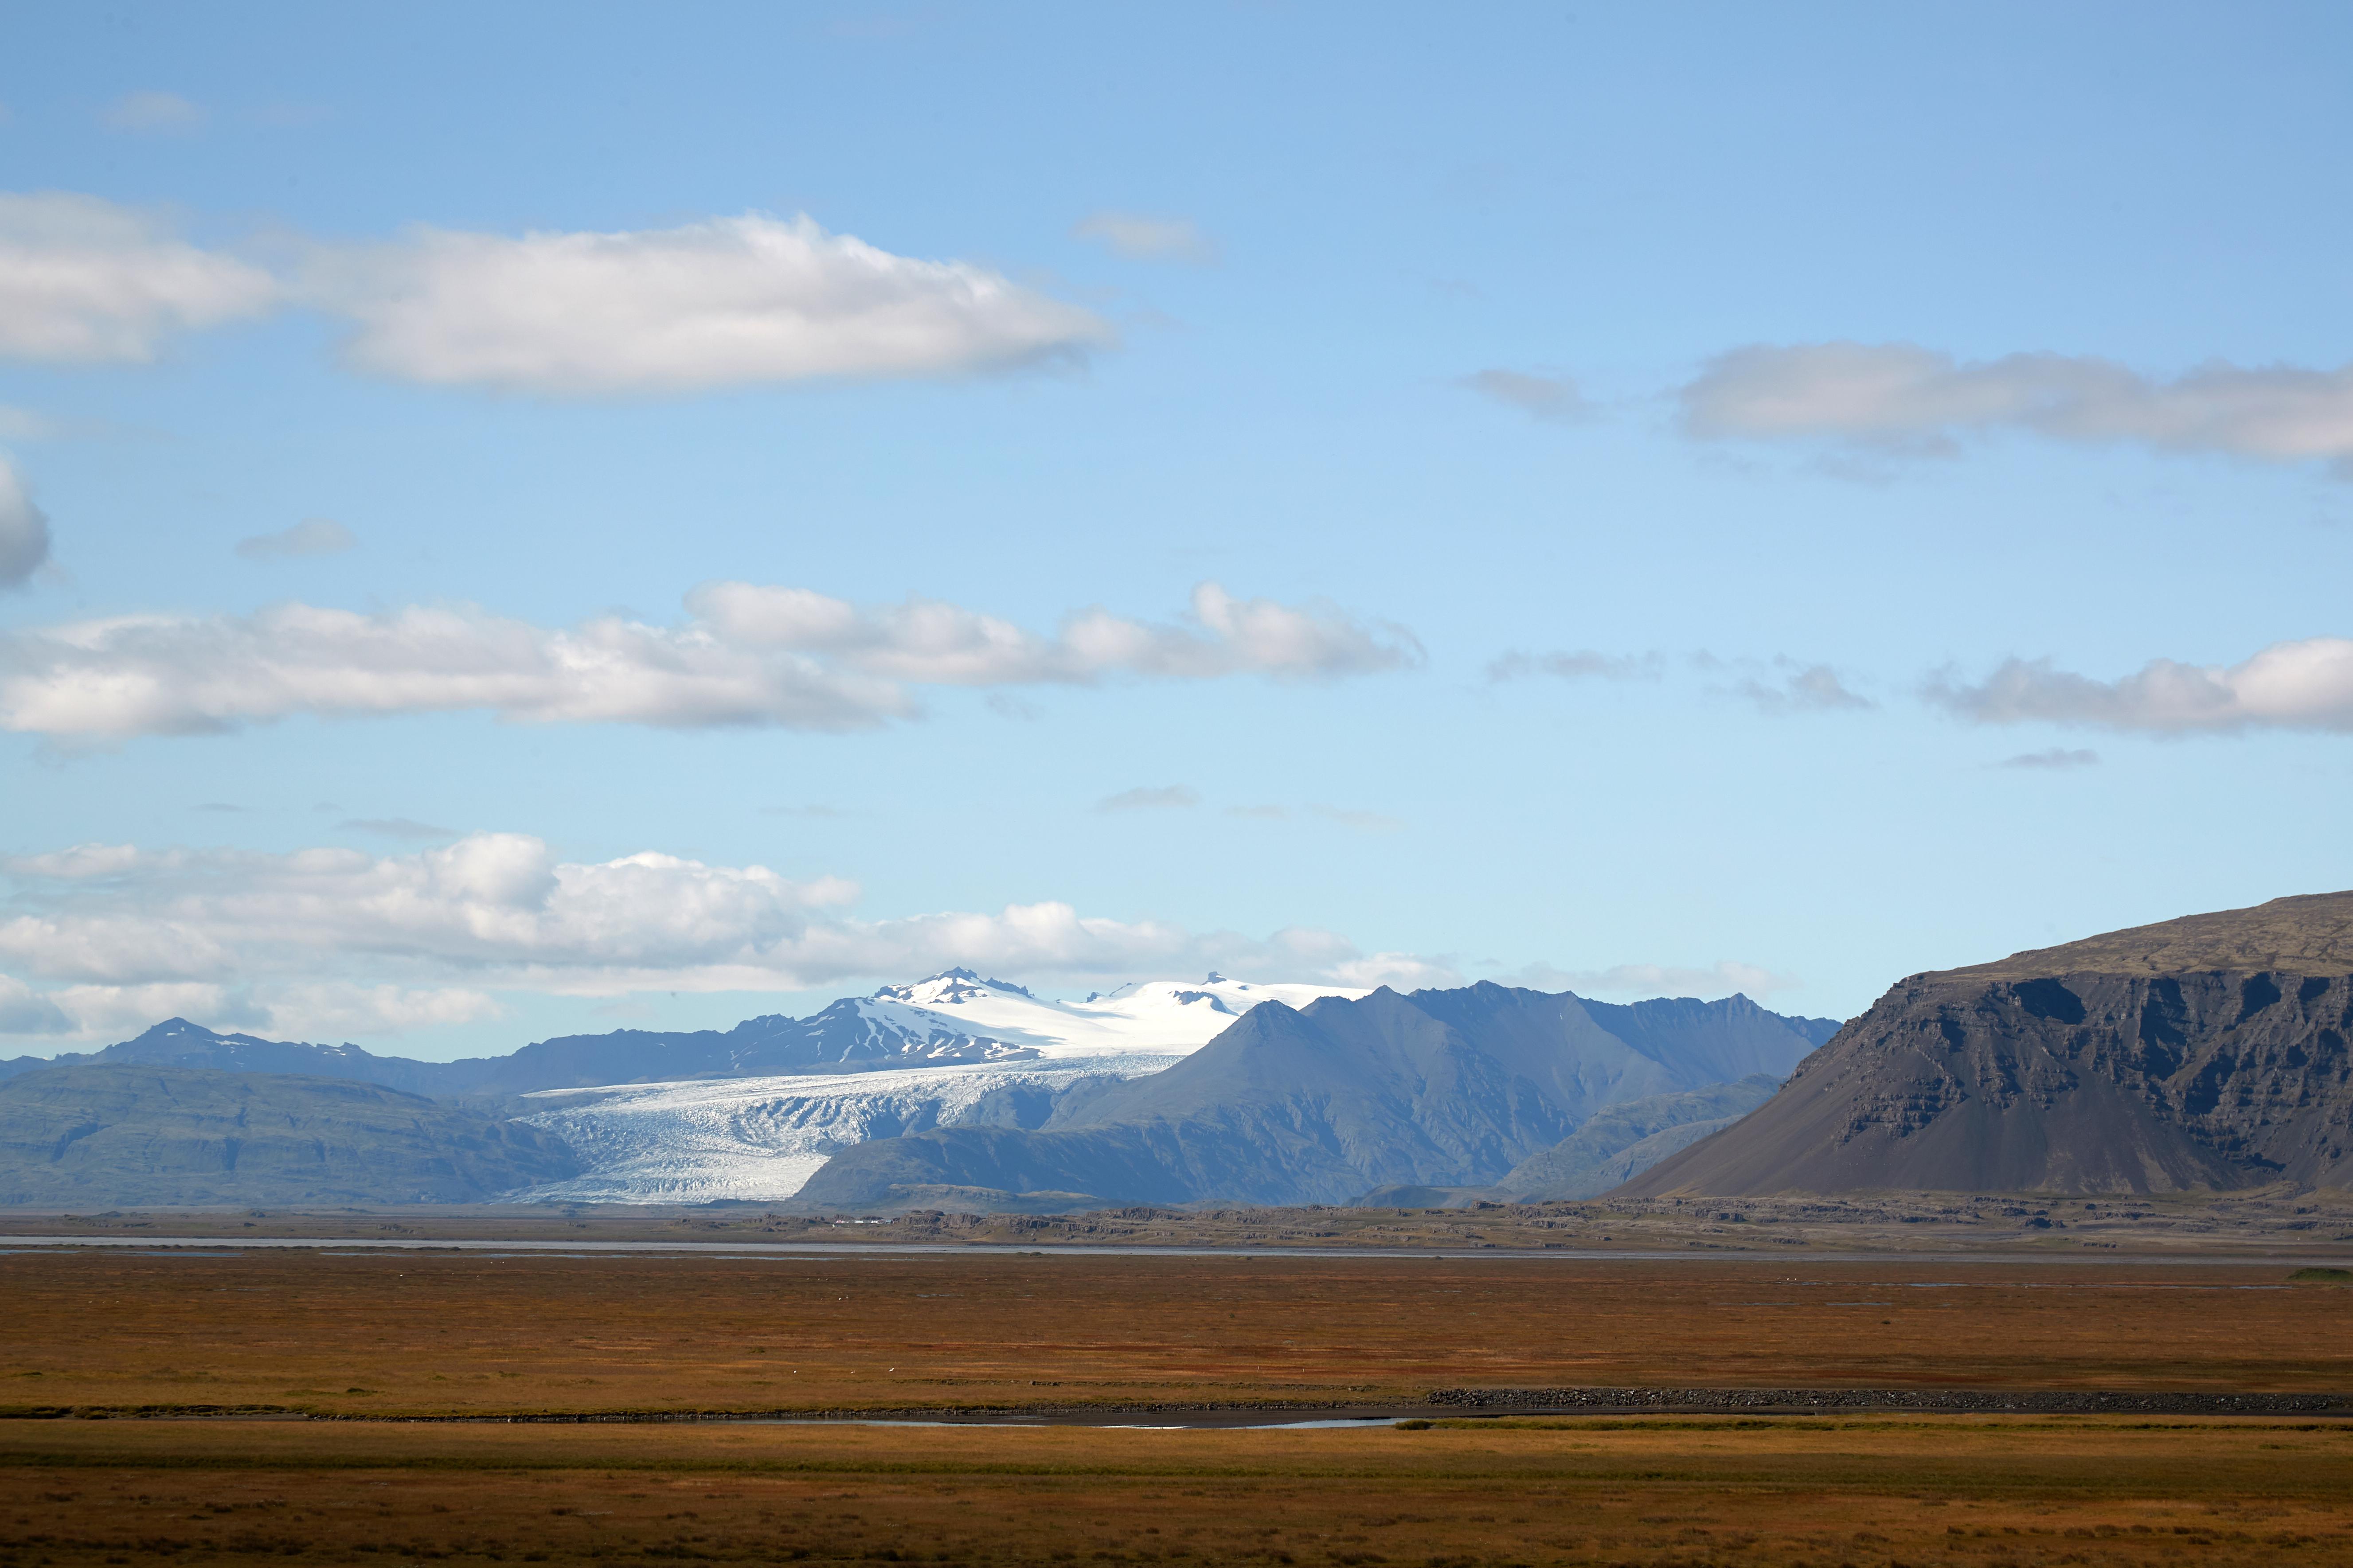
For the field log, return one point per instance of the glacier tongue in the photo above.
(757, 1139)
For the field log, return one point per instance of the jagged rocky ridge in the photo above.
(2203, 1053)
(1322, 1103)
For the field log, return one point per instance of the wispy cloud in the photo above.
(1358, 820)
(1539, 396)
(1804, 688)
(312, 536)
(398, 827)
(1141, 238)
(2055, 758)
(1146, 798)
(1582, 665)
(2301, 685)
(750, 654)
(152, 111)
(1906, 398)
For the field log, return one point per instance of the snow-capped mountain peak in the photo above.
(949, 988)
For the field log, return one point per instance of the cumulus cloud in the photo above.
(2301, 685)
(724, 303)
(1582, 665)
(1541, 396)
(1719, 979)
(115, 935)
(24, 530)
(1146, 798)
(1906, 397)
(85, 281)
(2054, 759)
(153, 112)
(750, 654)
(1142, 238)
(312, 536)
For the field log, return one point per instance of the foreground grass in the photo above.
(1877, 1492)
(377, 1335)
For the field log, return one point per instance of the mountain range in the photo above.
(1322, 1103)
(2206, 1052)
(751, 1112)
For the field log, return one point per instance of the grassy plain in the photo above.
(426, 1334)
(1956, 1490)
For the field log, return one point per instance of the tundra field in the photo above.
(368, 1339)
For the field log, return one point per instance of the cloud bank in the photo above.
(1906, 397)
(104, 937)
(2301, 685)
(1539, 396)
(1142, 238)
(749, 655)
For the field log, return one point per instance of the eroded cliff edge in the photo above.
(2209, 1052)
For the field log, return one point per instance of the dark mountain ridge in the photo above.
(124, 1133)
(1319, 1104)
(2207, 1052)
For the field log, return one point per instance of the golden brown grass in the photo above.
(1952, 1490)
(432, 1334)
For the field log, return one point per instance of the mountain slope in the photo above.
(125, 1134)
(1319, 1104)
(1627, 1139)
(2209, 1052)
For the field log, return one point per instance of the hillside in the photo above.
(1322, 1103)
(96, 1136)
(2202, 1053)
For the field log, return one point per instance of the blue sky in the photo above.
(1672, 464)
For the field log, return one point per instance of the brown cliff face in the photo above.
(2093, 1068)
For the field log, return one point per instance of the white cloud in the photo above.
(1142, 238)
(2302, 685)
(312, 536)
(83, 280)
(1906, 397)
(1146, 798)
(121, 936)
(724, 303)
(153, 112)
(24, 530)
(1541, 396)
(750, 655)
(1719, 979)
(1582, 665)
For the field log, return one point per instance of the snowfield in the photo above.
(759, 1139)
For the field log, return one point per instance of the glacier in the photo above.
(758, 1140)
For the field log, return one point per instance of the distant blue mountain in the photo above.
(1440, 1089)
